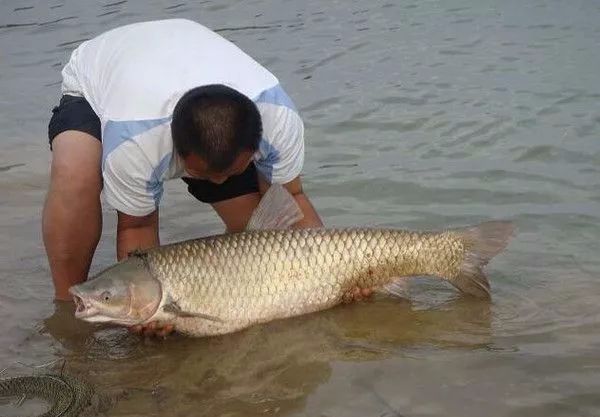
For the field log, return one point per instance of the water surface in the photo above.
(419, 114)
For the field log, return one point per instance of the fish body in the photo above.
(224, 283)
(257, 276)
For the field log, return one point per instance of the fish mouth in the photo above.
(83, 308)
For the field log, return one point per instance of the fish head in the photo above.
(125, 293)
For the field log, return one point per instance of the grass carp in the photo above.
(224, 283)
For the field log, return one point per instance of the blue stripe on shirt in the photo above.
(118, 132)
(276, 95)
(272, 156)
(155, 184)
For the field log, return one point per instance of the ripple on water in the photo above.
(435, 116)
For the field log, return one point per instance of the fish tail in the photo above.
(482, 243)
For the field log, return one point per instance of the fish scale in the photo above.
(257, 276)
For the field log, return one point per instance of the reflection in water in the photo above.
(268, 368)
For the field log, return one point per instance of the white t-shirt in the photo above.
(133, 77)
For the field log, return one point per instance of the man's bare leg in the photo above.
(72, 216)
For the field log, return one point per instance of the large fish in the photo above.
(224, 283)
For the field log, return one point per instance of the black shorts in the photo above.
(75, 113)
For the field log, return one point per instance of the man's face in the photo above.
(196, 167)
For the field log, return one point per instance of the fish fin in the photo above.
(397, 288)
(276, 210)
(174, 308)
(483, 242)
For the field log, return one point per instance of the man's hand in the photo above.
(357, 294)
(154, 328)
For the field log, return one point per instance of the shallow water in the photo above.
(419, 114)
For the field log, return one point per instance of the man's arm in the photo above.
(72, 216)
(136, 233)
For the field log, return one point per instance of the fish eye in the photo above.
(105, 296)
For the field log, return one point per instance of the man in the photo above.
(153, 101)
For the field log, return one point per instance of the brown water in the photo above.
(419, 114)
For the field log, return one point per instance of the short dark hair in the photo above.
(216, 123)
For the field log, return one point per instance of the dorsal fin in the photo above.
(277, 210)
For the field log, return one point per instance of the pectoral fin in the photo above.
(174, 308)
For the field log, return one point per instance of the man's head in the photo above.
(215, 130)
